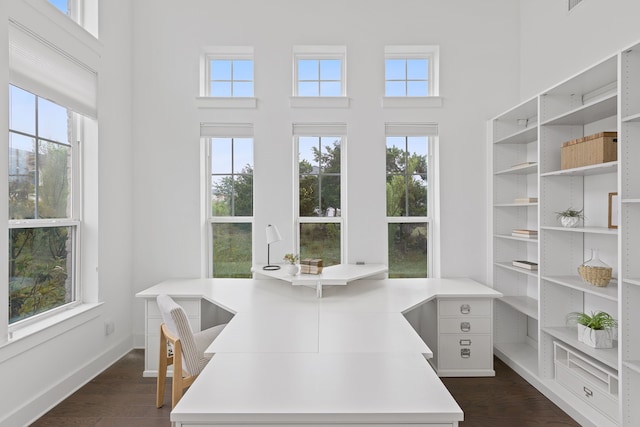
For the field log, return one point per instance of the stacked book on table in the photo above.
(525, 234)
(311, 266)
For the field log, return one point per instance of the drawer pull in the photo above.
(465, 353)
(465, 309)
(587, 392)
(466, 342)
(465, 326)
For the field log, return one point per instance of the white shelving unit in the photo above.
(530, 321)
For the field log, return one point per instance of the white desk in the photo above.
(288, 357)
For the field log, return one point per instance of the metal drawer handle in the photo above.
(465, 326)
(466, 342)
(465, 309)
(465, 353)
(587, 392)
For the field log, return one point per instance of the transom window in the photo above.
(411, 71)
(409, 171)
(230, 201)
(231, 77)
(43, 205)
(319, 71)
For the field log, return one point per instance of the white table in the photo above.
(288, 357)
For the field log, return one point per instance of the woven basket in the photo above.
(597, 276)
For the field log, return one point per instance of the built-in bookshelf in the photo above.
(530, 321)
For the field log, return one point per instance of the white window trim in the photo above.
(320, 52)
(316, 129)
(432, 219)
(204, 99)
(430, 52)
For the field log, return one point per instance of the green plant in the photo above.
(571, 213)
(599, 320)
(291, 258)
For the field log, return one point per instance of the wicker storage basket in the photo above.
(597, 276)
(589, 150)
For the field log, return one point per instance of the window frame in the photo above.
(320, 53)
(432, 191)
(73, 221)
(430, 53)
(227, 219)
(298, 219)
(221, 53)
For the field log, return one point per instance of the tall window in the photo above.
(230, 77)
(411, 71)
(319, 71)
(231, 205)
(409, 169)
(319, 197)
(43, 205)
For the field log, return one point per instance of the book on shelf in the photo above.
(524, 232)
(524, 236)
(526, 200)
(527, 265)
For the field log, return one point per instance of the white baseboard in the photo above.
(49, 398)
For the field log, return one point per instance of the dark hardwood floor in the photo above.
(121, 397)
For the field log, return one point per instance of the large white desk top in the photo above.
(290, 357)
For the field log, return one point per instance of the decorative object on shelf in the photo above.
(613, 210)
(527, 265)
(595, 329)
(589, 150)
(311, 266)
(273, 235)
(594, 271)
(525, 234)
(526, 200)
(570, 217)
(291, 267)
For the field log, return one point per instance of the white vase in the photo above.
(569, 221)
(291, 269)
(601, 338)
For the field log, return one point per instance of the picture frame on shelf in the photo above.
(613, 210)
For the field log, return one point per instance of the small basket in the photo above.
(597, 276)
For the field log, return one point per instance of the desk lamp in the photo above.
(273, 235)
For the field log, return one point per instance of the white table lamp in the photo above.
(273, 235)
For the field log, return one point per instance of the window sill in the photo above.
(225, 102)
(29, 336)
(319, 102)
(411, 101)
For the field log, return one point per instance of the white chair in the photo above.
(186, 352)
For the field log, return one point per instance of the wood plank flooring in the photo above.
(121, 397)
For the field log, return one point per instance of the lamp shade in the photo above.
(273, 235)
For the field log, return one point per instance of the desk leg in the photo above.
(319, 289)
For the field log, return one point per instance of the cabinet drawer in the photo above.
(460, 351)
(588, 392)
(465, 325)
(464, 307)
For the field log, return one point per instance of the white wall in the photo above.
(556, 43)
(45, 367)
(479, 75)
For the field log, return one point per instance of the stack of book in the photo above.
(311, 266)
(526, 200)
(525, 234)
(528, 265)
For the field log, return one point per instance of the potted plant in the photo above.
(570, 217)
(292, 263)
(595, 329)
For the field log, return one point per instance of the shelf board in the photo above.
(523, 136)
(519, 239)
(569, 335)
(522, 354)
(633, 365)
(591, 230)
(630, 201)
(508, 266)
(631, 118)
(514, 205)
(632, 280)
(598, 109)
(599, 169)
(524, 169)
(609, 292)
(523, 304)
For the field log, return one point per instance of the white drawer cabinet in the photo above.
(465, 339)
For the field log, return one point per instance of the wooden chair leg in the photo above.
(163, 362)
(176, 384)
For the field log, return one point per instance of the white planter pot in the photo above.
(595, 338)
(569, 221)
(291, 269)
